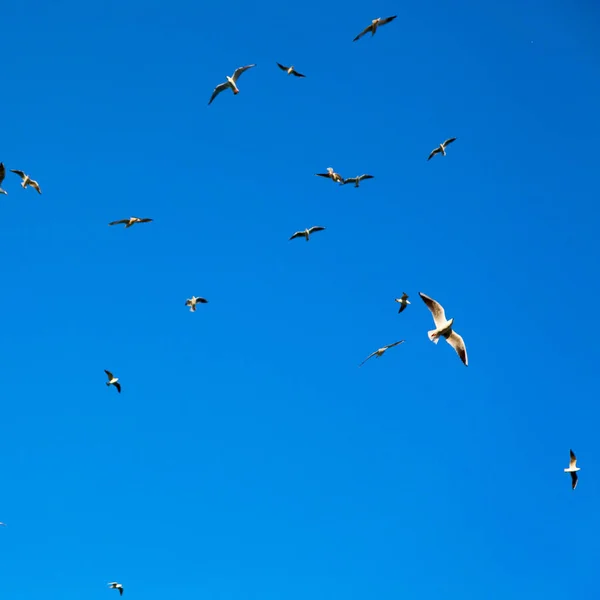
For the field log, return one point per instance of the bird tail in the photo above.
(236, 91)
(434, 336)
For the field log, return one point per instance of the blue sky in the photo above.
(248, 457)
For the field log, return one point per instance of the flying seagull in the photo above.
(441, 148)
(356, 180)
(2, 175)
(290, 70)
(375, 23)
(193, 301)
(380, 352)
(129, 222)
(230, 83)
(116, 586)
(403, 301)
(27, 181)
(306, 233)
(331, 174)
(443, 328)
(112, 380)
(573, 468)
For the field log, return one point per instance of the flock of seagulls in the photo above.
(443, 326)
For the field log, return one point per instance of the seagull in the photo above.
(375, 23)
(290, 70)
(2, 175)
(356, 180)
(441, 148)
(380, 352)
(193, 301)
(444, 328)
(573, 468)
(230, 83)
(112, 380)
(331, 175)
(116, 586)
(306, 233)
(129, 222)
(403, 301)
(27, 181)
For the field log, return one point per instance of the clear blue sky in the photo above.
(248, 457)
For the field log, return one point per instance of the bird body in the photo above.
(116, 586)
(573, 468)
(2, 175)
(443, 328)
(129, 222)
(231, 83)
(191, 302)
(331, 174)
(356, 180)
(403, 301)
(375, 23)
(290, 70)
(26, 180)
(441, 148)
(306, 233)
(112, 380)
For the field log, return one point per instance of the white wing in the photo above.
(239, 71)
(437, 310)
(221, 87)
(459, 345)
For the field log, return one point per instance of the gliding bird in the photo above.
(306, 233)
(230, 83)
(441, 148)
(375, 23)
(380, 352)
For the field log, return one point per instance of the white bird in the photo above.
(193, 301)
(131, 221)
(331, 174)
(444, 328)
(230, 83)
(356, 180)
(290, 70)
(403, 301)
(112, 380)
(306, 233)
(380, 352)
(441, 148)
(27, 181)
(2, 175)
(573, 468)
(375, 23)
(116, 586)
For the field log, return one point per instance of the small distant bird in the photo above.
(112, 380)
(230, 83)
(129, 222)
(573, 468)
(331, 175)
(306, 233)
(290, 70)
(116, 586)
(356, 180)
(3, 524)
(380, 352)
(444, 328)
(441, 148)
(375, 23)
(193, 301)
(27, 181)
(403, 301)
(2, 176)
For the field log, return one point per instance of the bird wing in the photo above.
(221, 87)
(118, 386)
(449, 141)
(573, 462)
(368, 357)
(365, 30)
(433, 153)
(458, 344)
(35, 185)
(366, 177)
(282, 67)
(313, 229)
(394, 344)
(297, 234)
(202, 300)
(119, 222)
(2, 172)
(323, 175)
(437, 310)
(294, 72)
(121, 591)
(110, 376)
(573, 479)
(350, 180)
(239, 71)
(144, 220)
(19, 173)
(387, 20)
(402, 307)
